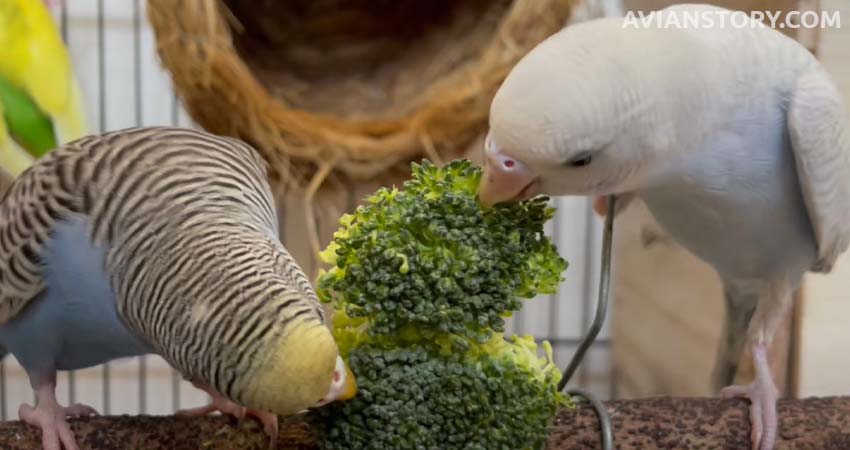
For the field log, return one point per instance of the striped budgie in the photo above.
(160, 240)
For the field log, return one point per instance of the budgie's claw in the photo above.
(762, 394)
(56, 434)
(223, 405)
(80, 410)
(270, 425)
(219, 404)
(199, 411)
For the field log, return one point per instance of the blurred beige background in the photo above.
(825, 327)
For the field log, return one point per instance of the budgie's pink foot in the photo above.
(762, 412)
(219, 404)
(762, 394)
(79, 410)
(270, 425)
(56, 434)
(225, 406)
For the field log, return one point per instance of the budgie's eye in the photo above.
(581, 160)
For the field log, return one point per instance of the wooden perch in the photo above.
(701, 423)
(656, 423)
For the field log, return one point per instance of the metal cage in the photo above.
(114, 56)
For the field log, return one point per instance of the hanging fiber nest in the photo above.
(348, 89)
(355, 86)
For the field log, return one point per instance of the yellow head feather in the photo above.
(297, 373)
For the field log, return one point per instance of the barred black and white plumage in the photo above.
(183, 227)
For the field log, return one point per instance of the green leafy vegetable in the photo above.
(422, 279)
(431, 256)
(499, 395)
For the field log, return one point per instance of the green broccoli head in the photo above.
(496, 395)
(431, 256)
(422, 279)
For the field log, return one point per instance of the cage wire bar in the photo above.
(547, 326)
(72, 381)
(137, 94)
(593, 329)
(101, 107)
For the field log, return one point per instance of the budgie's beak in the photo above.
(600, 205)
(350, 388)
(343, 386)
(505, 179)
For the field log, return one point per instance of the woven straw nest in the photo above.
(352, 86)
(352, 89)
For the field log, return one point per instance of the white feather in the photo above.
(818, 126)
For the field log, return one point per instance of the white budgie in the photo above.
(734, 137)
(160, 240)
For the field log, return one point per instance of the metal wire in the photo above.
(3, 388)
(606, 429)
(101, 78)
(595, 327)
(554, 304)
(149, 395)
(587, 290)
(137, 93)
(175, 375)
(63, 21)
(72, 381)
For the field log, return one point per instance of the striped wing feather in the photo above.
(127, 182)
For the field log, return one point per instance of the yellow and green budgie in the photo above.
(40, 100)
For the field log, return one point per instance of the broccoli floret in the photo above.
(499, 395)
(422, 279)
(431, 256)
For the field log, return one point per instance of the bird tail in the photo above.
(13, 159)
